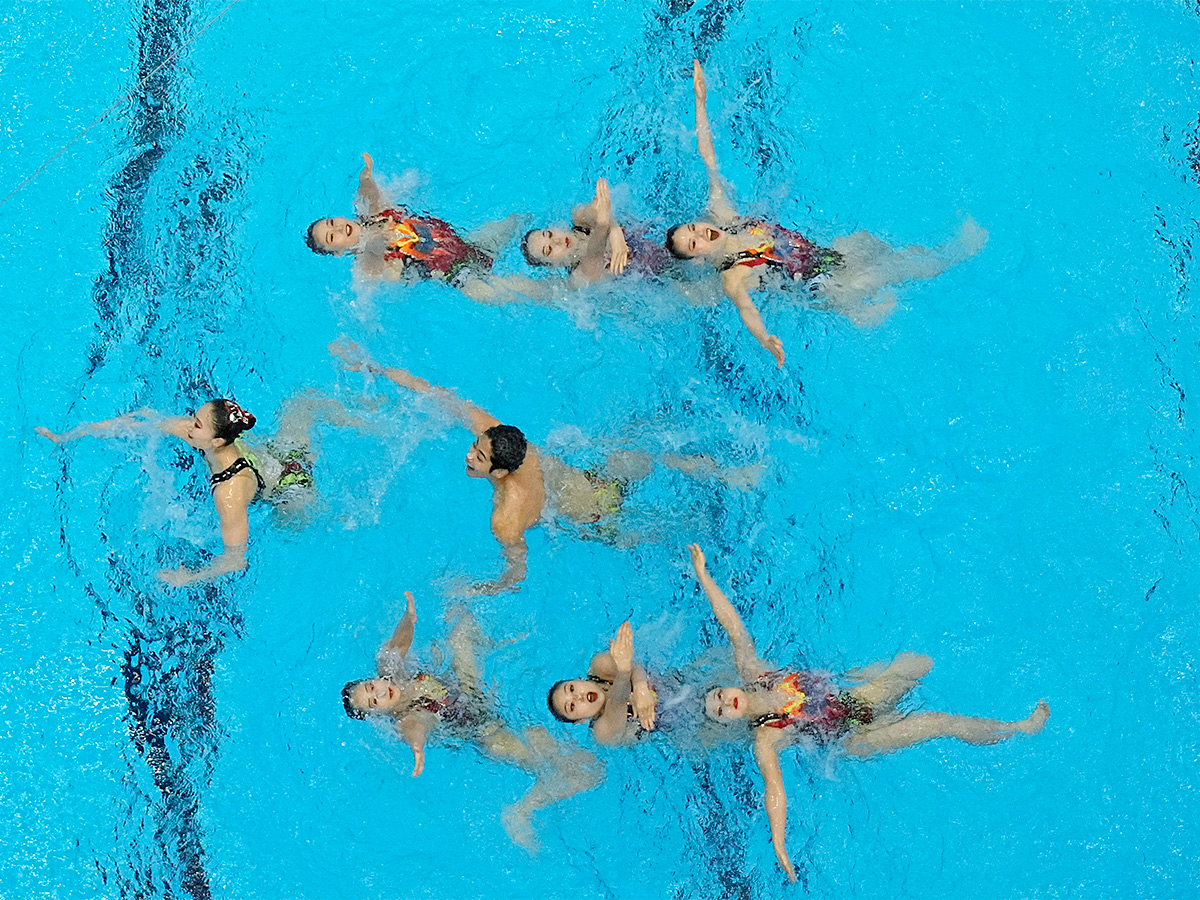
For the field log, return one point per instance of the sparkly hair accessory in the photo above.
(238, 416)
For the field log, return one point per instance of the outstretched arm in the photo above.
(744, 656)
(734, 282)
(356, 360)
(414, 728)
(766, 753)
(140, 421)
(369, 198)
(718, 201)
(611, 726)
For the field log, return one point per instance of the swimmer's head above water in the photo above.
(497, 452)
(374, 696)
(726, 704)
(693, 240)
(553, 247)
(216, 424)
(334, 236)
(576, 700)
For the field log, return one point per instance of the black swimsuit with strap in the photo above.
(236, 466)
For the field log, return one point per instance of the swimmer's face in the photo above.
(697, 239)
(479, 458)
(725, 704)
(336, 235)
(553, 246)
(200, 434)
(579, 700)
(379, 695)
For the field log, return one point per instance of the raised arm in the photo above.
(401, 638)
(594, 264)
(611, 726)
(644, 706)
(718, 200)
(744, 656)
(734, 282)
(369, 198)
(356, 360)
(766, 753)
(465, 637)
(597, 216)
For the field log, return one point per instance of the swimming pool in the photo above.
(999, 476)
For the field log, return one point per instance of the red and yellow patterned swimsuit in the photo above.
(785, 251)
(814, 706)
(429, 244)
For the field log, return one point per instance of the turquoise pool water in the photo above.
(999, 476)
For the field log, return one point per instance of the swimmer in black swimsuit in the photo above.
(420, 704)
(280, 472)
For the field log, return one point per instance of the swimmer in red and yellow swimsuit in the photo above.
(851, 278)
(782, 706)
(389, 241)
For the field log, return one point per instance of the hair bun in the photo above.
(238, 417)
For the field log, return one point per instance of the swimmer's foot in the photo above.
(871, 315)
(517, 822)
(1037, 719)
(743, 478)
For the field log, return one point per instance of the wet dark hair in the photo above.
(229, 420)
(671, 248)
(529, 257)
(351, 710)
(508, 447)
(553, 709)
(311, 239)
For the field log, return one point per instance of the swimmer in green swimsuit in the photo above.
(421, 704)
(783, 706)
(280, 472)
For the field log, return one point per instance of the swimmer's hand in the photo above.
(775, 347)
(419, 765)
(177, 577)
(368, 166)
(699, 84)
(618, 251)
(353, 357)
(50, 435)
(621, 648)
(698, 561)
(602, 205)
(643, 704)
(782, 856)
